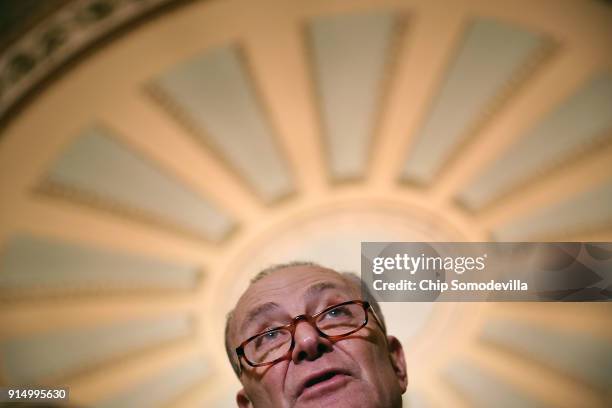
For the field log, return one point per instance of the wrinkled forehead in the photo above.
(291, 288)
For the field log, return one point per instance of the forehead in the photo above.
(288, 288)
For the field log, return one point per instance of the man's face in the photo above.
(360, 370)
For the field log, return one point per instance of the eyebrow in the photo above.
(312, 292)
(253, 313)
(316, 289)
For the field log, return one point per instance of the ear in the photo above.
(242, 400)
(398, 361)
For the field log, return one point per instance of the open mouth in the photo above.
(322, 378)
(327, 382)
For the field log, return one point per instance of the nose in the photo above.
(309, 344)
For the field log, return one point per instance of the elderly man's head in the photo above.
(306, 338)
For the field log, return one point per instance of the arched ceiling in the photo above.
(154, 154)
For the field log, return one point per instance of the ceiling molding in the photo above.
(72, 31)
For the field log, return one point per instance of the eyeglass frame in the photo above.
(291, 327)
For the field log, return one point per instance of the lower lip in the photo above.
(328, 386)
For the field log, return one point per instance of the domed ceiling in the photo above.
(154, 154)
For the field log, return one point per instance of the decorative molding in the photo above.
(34, 295)
(500, 180)
(62, 37)
(581, 153)
(520, 79)
(533, 50)
(117, 342)
(172, 106)
(54, 190)
(382, 28)
(123, 359)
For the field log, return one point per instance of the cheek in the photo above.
(374, 365)
(267, 387)
(361, 354)
(376, 378)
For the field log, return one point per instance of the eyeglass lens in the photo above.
(272, 345)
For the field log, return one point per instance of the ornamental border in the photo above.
(60, 39)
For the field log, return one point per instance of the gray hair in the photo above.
(348, 277)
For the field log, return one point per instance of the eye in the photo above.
(267, 337)
(338, 312)
(271, 335)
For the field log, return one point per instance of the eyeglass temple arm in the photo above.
(378, 320)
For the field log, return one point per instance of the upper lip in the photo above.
(311, 379)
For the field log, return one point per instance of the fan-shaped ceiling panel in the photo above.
(213, 94)
(96, 164)
(35, 266)
(579, 123)
(490, 57)
(350, 55)
(51, 355)
(483, 389)
(573, 353)
(589, 211)
(161, 389)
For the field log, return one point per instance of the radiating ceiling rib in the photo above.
(576, 354)
(95, 386)
(202, 393)
(427, 45)
(30, 360)
(350, 55)
(483, 388)
(162, 389)
(169, 144)
(491, 55)
(43, 266)
(64, 220)
(286, 93)
(573, 178)
(214, 392)
(603, 234)
(589, 210)
(591, 319)
(97, 164)
(543, 384)
(441, 394)
(550, 85)
(578, 123)
(44, 315)
(214, 94)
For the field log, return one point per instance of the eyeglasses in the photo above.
(334, 322)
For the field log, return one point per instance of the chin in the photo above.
(352, 394)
